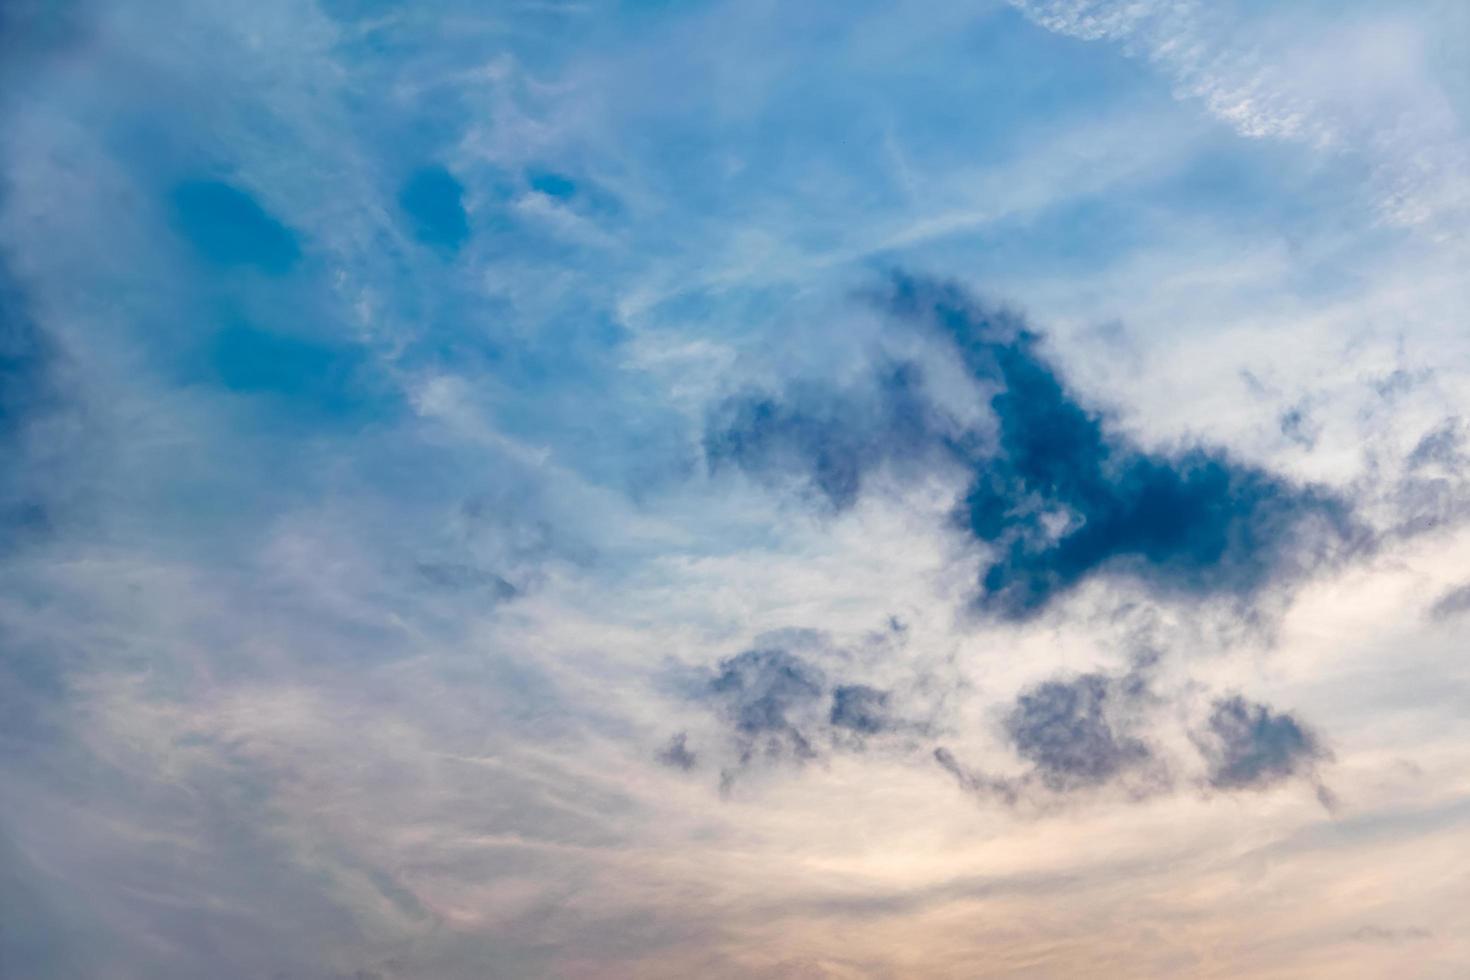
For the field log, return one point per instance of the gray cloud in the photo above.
(780, 706)
(1432, 492)
(830, 439)
(860, 709)
(1249, 745)
(677, 754)
(1075, 734)
(1069, 732)
(1452, 603)
(977, 783)
(458, 577)
(1298, 426)
(1084, 733)
(1443, 445)
(767, 696)
(1390, 936)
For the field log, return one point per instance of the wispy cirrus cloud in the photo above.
(1363, 87)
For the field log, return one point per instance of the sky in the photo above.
(647, 489)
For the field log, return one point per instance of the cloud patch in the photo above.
(767, 696)
(860, 709)
(1056, 494)
(1069, 732)
(1075, 734)
(830, 440)
(1452, 603)
(1063, 497)
(781, 707)
(677, 754)
(1082, 734)
(1249, 745)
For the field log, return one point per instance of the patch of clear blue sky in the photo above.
(229, 227)
(433, 199)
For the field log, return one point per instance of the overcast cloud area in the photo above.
(732, 489)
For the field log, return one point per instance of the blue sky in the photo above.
(734, 489)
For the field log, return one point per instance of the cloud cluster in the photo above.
(777, 705)
(1084, 733)
(1075, 735)
(1057, 494)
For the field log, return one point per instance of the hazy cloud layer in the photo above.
(477, 500)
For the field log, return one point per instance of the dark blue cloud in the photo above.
(1057, 494)
(1062, 497)
(432, 197)
(228, 227)
(1249, 746)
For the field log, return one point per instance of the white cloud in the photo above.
(1357, 86)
